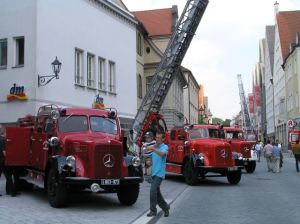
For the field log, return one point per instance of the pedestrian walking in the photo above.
(296, 152)
(258, 149)
(268, 155)
(276, 152)
(159, 156)
(147, 155)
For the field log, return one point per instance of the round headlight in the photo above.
(136, 161)
(71, 161)
(201, 156)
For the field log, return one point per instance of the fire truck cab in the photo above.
(196, 150)
(65, 148)
(239, 144)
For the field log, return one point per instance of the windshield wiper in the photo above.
(67, 118)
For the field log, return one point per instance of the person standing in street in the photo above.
(296, 152)
(258, 149)
(2, 150)
(159, 157)
(8, 171)
(147, 155)
(276, 153)
(268, 155)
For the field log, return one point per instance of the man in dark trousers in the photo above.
(296, 152)
(2, 150)
(8, 171)
(159, 156)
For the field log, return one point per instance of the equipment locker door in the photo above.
(17, 147)
(39, 151)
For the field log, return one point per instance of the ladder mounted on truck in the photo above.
(169, 64)
(247, 123)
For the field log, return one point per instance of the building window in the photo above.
(101, 74)
(3, 53)
(91, 70)
(148, 82)
(139, 44)
(79, 67)
(20, 48)
(112, 77)
(139, 87)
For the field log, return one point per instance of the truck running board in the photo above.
(173, 168)
(37, 180)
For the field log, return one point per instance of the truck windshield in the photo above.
(234, 135)
(197, 133)
(103, 124)
(72, 123)
(216, 133)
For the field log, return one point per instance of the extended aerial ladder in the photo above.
(247, 123)
(169, 64)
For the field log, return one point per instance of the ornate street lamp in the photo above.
(56, 64)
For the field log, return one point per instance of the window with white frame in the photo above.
(3, 53)
(139, 86)
(101, 74)
(148, 82)
(112, 77)
(20, 50)
(79, 67)
(91, 70)
(139, 47)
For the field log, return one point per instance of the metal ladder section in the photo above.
(170, 62)
(245, 112)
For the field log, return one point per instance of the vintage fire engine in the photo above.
(239, 144)
(65, 148)
(196, 150)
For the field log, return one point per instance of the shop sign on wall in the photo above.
(16, 93)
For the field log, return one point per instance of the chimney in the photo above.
(276, 7)
(298, 38)
(174, 16)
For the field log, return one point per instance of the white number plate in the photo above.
(232, 168)
(110, 182)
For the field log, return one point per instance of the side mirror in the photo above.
(54, 141)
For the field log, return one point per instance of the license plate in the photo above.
(110, 182)
(232, 168)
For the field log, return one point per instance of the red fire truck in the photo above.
(60, 149)
(196, 150)
(235, 137)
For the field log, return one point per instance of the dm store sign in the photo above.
(16, 93)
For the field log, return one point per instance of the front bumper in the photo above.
(87, 181)
(219, 169)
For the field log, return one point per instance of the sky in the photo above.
(226, 44)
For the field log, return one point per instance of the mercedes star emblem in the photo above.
(109, 160)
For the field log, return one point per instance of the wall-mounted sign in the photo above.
(16, 93)
(98, 103)
(291, 123)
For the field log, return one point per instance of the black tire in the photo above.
(128, 194)
(57, 193)
(190, 174)
(234, 177)
(250, 168)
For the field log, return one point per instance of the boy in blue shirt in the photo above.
(159, 157)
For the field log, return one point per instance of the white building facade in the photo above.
(85, 37)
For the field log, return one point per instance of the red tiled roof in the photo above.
(288, 25)
(157, 22)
